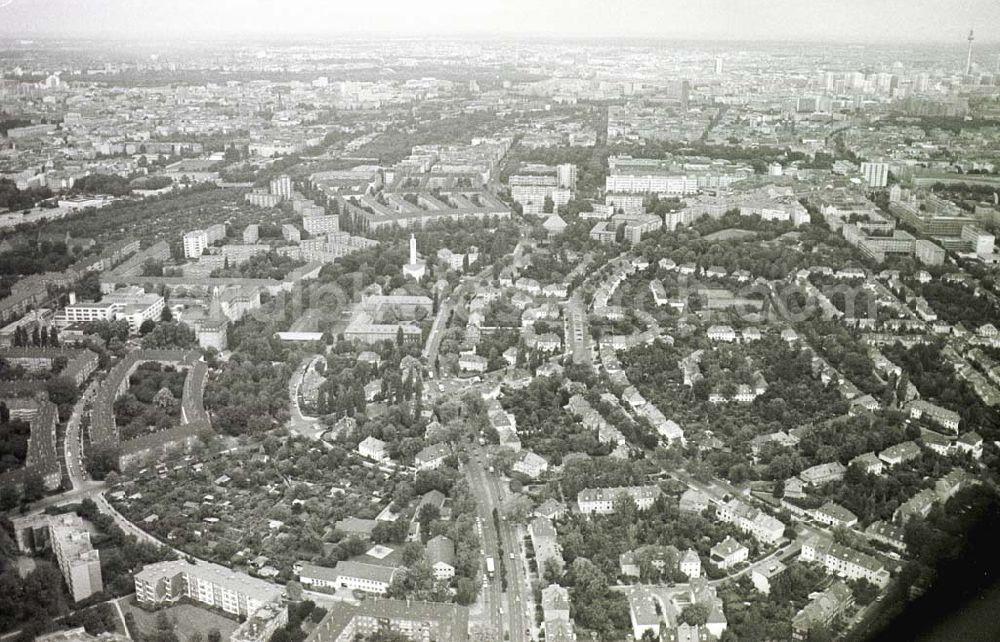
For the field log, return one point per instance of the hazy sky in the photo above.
(855, 20)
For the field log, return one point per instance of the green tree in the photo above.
(864, 591)
(694, 615)
(34, 487)
(102, 460)
(62, 391)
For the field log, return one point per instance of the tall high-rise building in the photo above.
(968, 59)
(830, 80)
(281, 186)
(566, 175)
(195, 243)
(79, 562)
(69, 539)
(718, 66)
(876, 174)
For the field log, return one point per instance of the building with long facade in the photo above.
(416, 621)
(210, 584)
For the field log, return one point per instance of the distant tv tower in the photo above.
(968, 60)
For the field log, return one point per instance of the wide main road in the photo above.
(447, 306)
(492, 590)
(489, 495)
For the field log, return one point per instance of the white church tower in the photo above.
(415, 268)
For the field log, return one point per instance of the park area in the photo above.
(188, 622)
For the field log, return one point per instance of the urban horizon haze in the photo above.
(775, 20)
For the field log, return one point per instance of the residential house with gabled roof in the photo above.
(355, 527)
(440, 553)
(823, 473)
(556, 622)
(721, 333)
(835, 515)
(869, 463)
(760, 525)
(643, 612)
(970, 443)
(821, 610)
(900, 453)
(530, 464)
(431, 457)
(729, 553)
(956, 479)
(690, 564)
(887, 533)
(545, 543)
(373, 448)
(359, 576)
(947, 419)
(602, 500)
(936, 442)
(693, 501)
(551, 509)
(844, 561)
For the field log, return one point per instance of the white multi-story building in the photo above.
(721, 333)
(251, 234)
(748, 519)
(531, 191)
(281, 186)
(370, 578)
(876, 174)
(135, 306)
(88, 311)
(291, 233)
(195, 243)
(983, 243)
(78, 560)
(843, 561)
(729, 553)
(948, 419)
(677, 185)
(690, 564)
(602, 500)
(373, 448)
(928, 252)
(320, 225)
(566, 175)
(132, 304)
(233, 592)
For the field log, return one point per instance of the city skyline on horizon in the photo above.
(848, 21)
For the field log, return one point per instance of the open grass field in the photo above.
(187, 619)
